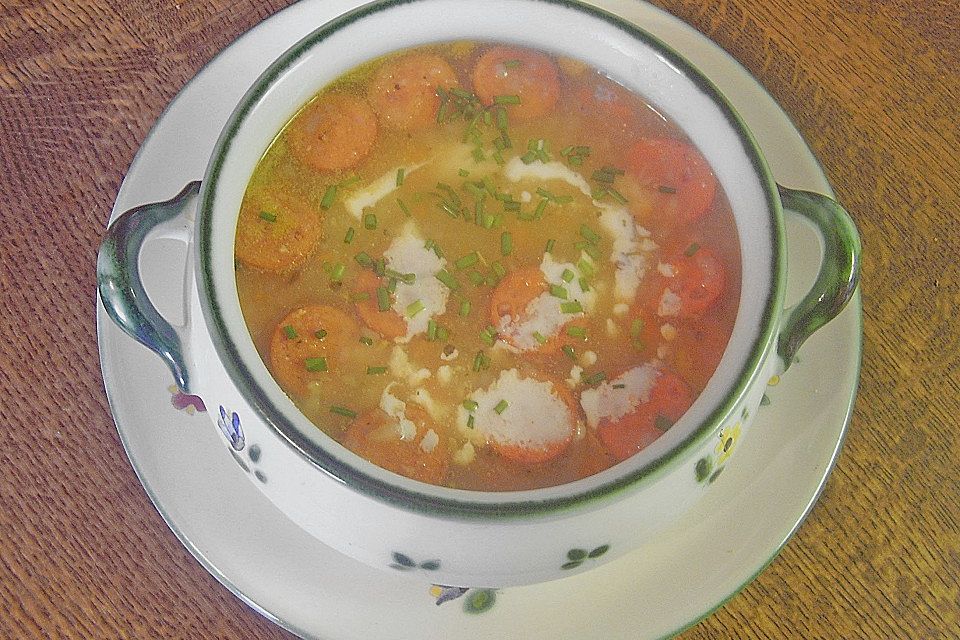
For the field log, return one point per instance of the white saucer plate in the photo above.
(768, 486)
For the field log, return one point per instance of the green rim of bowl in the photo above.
(456, 507)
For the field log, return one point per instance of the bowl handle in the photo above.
(839, 273)
(120, 286)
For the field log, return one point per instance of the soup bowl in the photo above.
(438, 534)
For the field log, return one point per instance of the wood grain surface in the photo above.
(874, 88)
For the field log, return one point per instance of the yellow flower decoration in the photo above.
(728, 440)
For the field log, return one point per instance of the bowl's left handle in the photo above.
(120, 286)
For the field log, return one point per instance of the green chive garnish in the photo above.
(448, 279)
(383, 299)
(343, 411)
(370, 221)
(616, 195)
(500, 100)
(470, 405)
(692, 249)
(348, 238)
(366, 340)
(569, 352)
(336, 274)
(506, 243)
(577, 332)
(489, 336)
(320, 334)
(479, 361)
(442, 333)
(595, 378)
(364, 259)
(403, 207)
(589, 249)
(476, 278)
(666, 189)
(584, 285)
(269, 217)
(290, 332)
(619, 386)
(400, 174)
(589, 234)
(468, 260)
(662, 422)
(359, 296)
(376, 371)
(316, 364)
(636, 327)
(549, 248)
(499, 269)
(573, 306)
(328, 197)
(567, 275)
(511, 64)
(539, 337)
(541, 207)
(463, 173)
(414, 308)
(470, 421)
(431, 330)
(558, 292)
(464, 308)
(501, 407)
(586, 268)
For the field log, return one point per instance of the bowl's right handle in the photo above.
(839, 270)
(121, 288)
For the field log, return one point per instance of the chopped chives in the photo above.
(316, 364)
(499, 269)
(488, 221)
(636, 327)
(414, 308)
(448, 279)
(470, 421)
(463, 173)
(589, 234)
(502, 100)
(586, 268)
(349, 181)
(614, 171)
(569, 352)
(366, 340)
(468, 260)
(478, 155)
(400, 175)
(692, 249)
(619, 386)
(603, 177)
(470, 405)
(501, 407)
(666, 189)
(343, 411)
(383, 299)
(348, 238)
(359, 296)
(489, 336)
(572, 306)
(431, 330)
(376, 371)
(589, 249)
(511, 64)
(529, 157)
(433, 246)
(502, 120)
(290, 332)
(595, 378)
(506, 243)
(577, 332)
(403, 207)
(363, 259)
(320, 334)
(476, 278)
(405, 278)
(442, 333)
(541, 207)
(380, 267)
(392, 285)
(479, 361)
(550, 244)
(328, 197)
(269, 217)
(370, 221)
(336, 274)
(616, 195)
(558, 292)
(662, 422)
(584, 285)
(464, 308)
(539, 337)
(567, 275)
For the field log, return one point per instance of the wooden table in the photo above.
(873, 86)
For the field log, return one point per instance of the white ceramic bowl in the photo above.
(432, 533)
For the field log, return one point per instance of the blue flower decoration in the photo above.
(230, 426)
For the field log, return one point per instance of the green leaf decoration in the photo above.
(703, 469)
(571, 565)
(599, 551)
(577, 554)
(480, 600)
